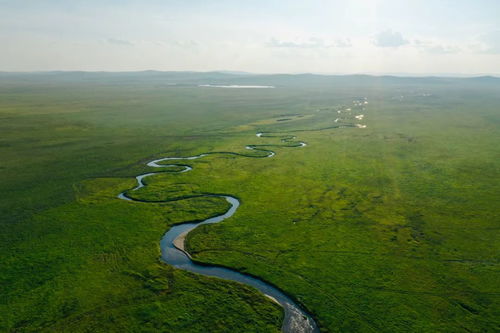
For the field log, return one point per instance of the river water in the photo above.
(296, 320)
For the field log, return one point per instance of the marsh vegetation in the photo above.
(391, 225)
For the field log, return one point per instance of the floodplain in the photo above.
(385, 221)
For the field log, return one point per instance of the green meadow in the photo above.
(389, 228)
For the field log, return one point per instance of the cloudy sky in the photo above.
(265, 36)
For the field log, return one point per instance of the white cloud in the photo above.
(121, 42)
(309, 43)
(436, 47)
(342, 43)
(186, 44)
(490, 42)
(389, 38)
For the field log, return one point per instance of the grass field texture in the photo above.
(393, 227)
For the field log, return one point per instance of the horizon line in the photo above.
(237, 72)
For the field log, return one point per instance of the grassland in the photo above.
(393, 227)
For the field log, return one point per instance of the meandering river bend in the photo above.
(296, 320)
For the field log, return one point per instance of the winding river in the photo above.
(296, 319)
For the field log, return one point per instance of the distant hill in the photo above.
(231, 78)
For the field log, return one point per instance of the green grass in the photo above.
(389, 228)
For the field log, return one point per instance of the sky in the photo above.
(419, 37)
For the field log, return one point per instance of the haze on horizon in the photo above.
(339, 37)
